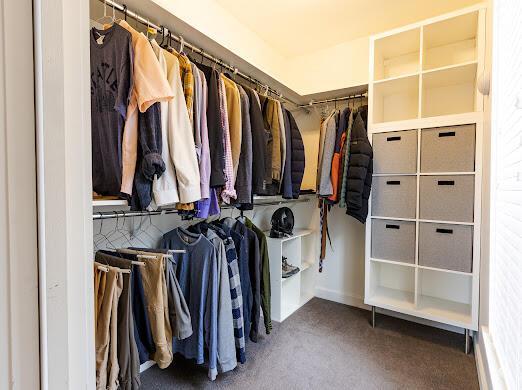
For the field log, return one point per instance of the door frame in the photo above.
(62, 89)
(19, 331)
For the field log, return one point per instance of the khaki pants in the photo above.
(128, 358)
(106, 330)
(155, 287)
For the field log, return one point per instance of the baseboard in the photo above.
(488, 366)
(145, 366)
(335, 296)
(355, 301)
(481, 365)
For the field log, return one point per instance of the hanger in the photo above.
(124, 14)
(162, 35)
(112, 19)
(102, 268)
(181, 44)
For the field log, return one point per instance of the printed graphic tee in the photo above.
(111, 86)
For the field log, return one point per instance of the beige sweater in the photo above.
(234, 119)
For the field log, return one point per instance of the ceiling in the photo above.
(297, 27)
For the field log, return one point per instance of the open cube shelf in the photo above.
(397, 55)
(396, 99)
(450, 42)
(449, 91)
(289, 294)
(426, 128)
(427, 70)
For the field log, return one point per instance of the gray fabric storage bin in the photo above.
(393, 240)
(447, 198)
(446, 246)
(395, 152)
(394, 196)
(448, 149)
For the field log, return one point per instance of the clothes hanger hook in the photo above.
(113, 12)
(148, 27)
(125, 12)
(182, 44)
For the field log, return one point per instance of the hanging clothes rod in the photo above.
(339, 99)
(129, 214)
(164, 30)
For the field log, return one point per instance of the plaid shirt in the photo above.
(187, 77)
(235, 291)
(229, 192)
(237, 298)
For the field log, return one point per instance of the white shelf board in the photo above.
(402, 263)
(449, 76)
(445, 173)
(108, 202)
(424, 123)
(447, 222)
(449, 67)
(402, 76)
(394, 218)
(304, 267)
(284, 280)
(392, 299)
(297, 233)
(450, 271)
(393, 174)
(444, 310)
(392, 86)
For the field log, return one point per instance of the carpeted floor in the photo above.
(326, 345)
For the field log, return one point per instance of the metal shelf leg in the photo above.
(373, 316)
(467, 346)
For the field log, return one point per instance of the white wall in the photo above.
(342, 279)
(213, 21)
(19, 362)
(341, 66)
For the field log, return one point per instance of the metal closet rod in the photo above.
(123, 8)
(349, 97)
(129, 214)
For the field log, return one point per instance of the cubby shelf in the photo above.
(426, 124)
(289, 294)
(393, 262)
(427, 70)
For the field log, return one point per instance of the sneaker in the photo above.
(288, 270)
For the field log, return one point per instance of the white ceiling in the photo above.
(297, 27)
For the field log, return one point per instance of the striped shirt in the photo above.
(235, 293)
(229, 192)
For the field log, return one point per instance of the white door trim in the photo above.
(19, 362)
(64, 199)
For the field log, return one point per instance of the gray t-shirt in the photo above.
(111, 86)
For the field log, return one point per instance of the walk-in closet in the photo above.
(263, 195)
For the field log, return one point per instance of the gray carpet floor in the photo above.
(326, 345)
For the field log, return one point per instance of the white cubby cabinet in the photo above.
(291, 293)
(425, 123)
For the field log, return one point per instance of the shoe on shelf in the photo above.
(288, 270)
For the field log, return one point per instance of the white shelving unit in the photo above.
(426, 125)
(291, 293)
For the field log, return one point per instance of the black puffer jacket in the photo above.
(360, 170)
(298, 156)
